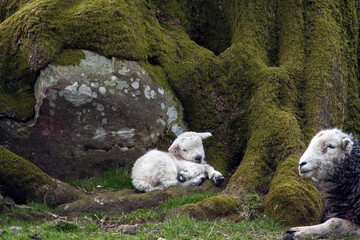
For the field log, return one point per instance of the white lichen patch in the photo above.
(135, 85)
(177, 130)
(124, 133)
(77, 96)
(172, 114)
(161, 91)
(161, 121)
(102, 90)
(114, 78)
(73, 87)
(94, 85)
(149, 94)
(100, 134)
(162, 106)
(85, 90)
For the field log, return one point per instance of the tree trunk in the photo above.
(289, 69)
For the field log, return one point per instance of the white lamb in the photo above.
(333, 160)
(184, 165)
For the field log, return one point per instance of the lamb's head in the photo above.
(188, 146)
(326, 149)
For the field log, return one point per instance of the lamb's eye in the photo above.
(331, 146)
(184, 150)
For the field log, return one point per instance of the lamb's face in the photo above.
(191, 149)
(189, 146)
(327, 148)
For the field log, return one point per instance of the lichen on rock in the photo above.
(111, 108)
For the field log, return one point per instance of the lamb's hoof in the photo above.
(290, 231)
(218, 179)
(180, 177)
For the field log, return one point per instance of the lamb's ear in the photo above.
(347, 145)
(174, 147)
(204, 135)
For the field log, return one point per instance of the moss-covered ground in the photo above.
(41, 222)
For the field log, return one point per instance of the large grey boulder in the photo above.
(98, 113)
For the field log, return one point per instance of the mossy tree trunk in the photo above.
(23, 181)
(289, 69)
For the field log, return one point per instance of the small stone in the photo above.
(16, 228)
(128, 229)
(1, 231)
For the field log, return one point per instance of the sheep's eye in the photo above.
(184, 150)
(331, 146)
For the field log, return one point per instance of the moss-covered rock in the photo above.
(209, 209)
(23, 181)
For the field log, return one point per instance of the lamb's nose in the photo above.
(302, 164)
(198, 158)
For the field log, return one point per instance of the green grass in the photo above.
(151, 224)
(175, 228)
(34, 207)
(114, 178)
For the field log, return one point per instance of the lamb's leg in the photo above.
(333, 227)
(191, 170)
(195, 181)
(144, 186)
(174, 182)
(214, 175)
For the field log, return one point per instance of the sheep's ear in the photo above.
(204, 135)
(347, 145)
(174, 146)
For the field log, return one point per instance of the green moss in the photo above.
(68, 57)
(330, 55)
(293, 201)
(19, 105)
(208, 209)
(18, 176)
(274, 134)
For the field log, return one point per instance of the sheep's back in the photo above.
(343, 190)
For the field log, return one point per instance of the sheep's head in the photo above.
(189, 146)
(326, 149)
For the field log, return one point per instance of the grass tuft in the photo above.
(114, 178)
